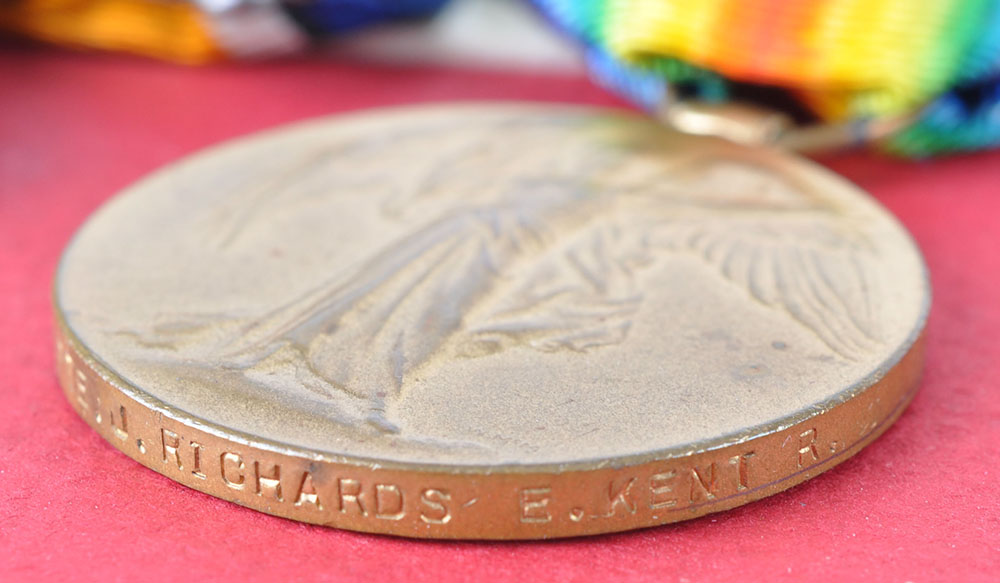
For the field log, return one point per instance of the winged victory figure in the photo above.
(542, 248)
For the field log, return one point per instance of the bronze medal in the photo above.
(490, 321)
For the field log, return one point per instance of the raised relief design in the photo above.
(541, 247)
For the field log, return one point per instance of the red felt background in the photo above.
(920, 504)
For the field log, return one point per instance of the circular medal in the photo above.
(490, 321)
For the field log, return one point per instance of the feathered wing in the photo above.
(476, 161)
(811, 264)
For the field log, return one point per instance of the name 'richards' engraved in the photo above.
(378, 500)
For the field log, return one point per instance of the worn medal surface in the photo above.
(490, 322)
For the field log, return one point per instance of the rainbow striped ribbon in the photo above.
(840, 59)
(834, 59)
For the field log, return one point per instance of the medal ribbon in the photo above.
(937, 61)
(839, 59)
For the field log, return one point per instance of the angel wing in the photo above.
(475, 160)
(809, 263)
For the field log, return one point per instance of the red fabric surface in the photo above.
(919, 505)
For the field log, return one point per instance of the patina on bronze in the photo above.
(490, 321)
